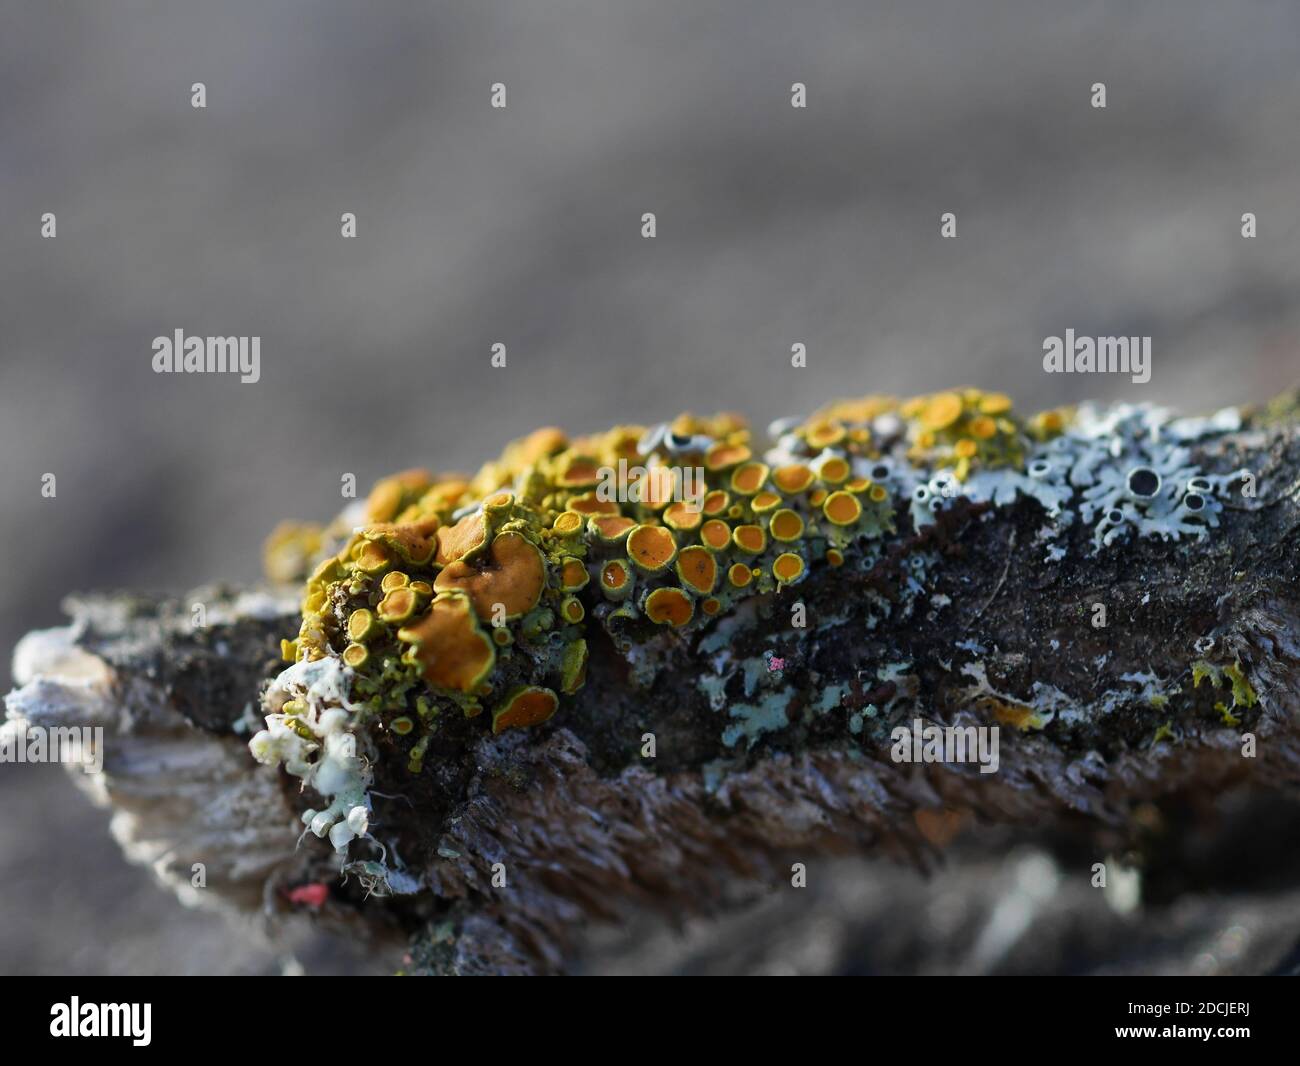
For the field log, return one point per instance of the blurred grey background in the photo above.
(522, 226)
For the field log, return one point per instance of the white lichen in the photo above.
(309, 732)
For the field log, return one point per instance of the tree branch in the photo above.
(773, 742)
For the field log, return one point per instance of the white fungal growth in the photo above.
(308, 731)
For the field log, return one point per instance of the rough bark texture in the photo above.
(586, 827)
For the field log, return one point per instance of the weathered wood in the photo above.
(1094, 721)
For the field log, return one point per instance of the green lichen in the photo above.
(1243, 695)
(1201, 670)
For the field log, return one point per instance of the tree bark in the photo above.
(1094, 721)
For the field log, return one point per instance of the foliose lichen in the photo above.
(442, 597)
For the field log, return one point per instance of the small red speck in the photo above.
(314, 894)
(774, 664)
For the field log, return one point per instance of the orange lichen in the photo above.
(519, 456)
(616, 579)
(792, 479)
(413, 541)
(715, 534)
(716, 502)
(373, 557)
(748, 478)
(834, 470)
(289, 551)
(683, 516)
(941, 411)
(461, 541)
(748, 538)
(524, 706)
(397, 606)
(1013, 714)
(581, 472)
(328, 570)
(445, 495)
(512, 574)
(994, 403)
(394, 579)
(589, 503)
(697, 569)
(864, 409)
(386, 498)
(669, 606)
(964, 428)
(568, 524)
(571, 610)
(573, 575)
(610, 528)
(1047, 424)
(787, 567)
(842, 508)
(651, 548)
(488, 580)
(361, 625)
(785, 525)
(722, 456)
(452, 650)
(824, 434)
(740, 575)
(656, 488)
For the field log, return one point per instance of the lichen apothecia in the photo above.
(444, 595)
